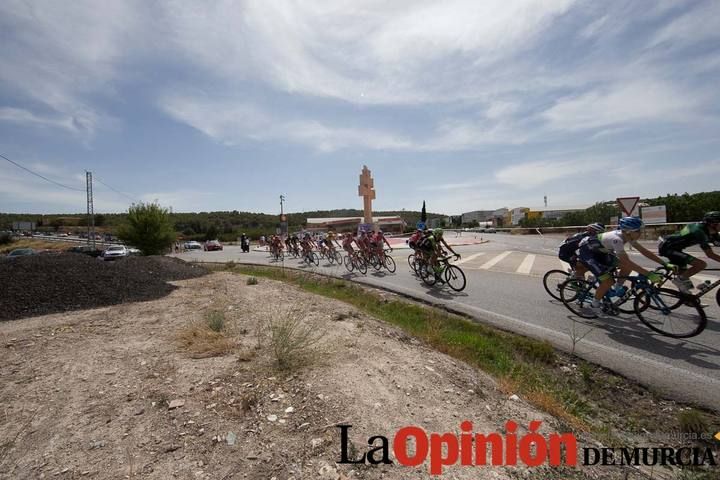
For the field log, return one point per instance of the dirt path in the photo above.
(87, 394)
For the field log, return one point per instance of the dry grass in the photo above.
(551, 405)
(294, 339)
(35, 245)
(207, 338)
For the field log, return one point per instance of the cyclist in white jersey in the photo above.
(603, 253)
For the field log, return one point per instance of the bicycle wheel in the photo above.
(411, 262)
(338, 258)
(390, 264)
(360, 265)
(315, 259)
(349, 263)
(687, 319)
(577, 296)
(427, 275)
(552, 281)
(455, 278)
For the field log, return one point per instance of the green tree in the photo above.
(148, 228)
(423, 214)
(212, 233)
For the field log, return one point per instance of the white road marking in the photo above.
(526, 264)
(495, 260)
(468, 258)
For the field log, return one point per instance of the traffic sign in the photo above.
(628, 204)
(420, 225)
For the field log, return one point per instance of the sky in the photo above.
(467, 105)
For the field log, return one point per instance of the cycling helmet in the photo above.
(712, 217)
(596, 227)
(631, 224)
(438, 232)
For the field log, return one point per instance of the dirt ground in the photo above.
(111, 393)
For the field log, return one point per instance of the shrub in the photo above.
(293, 340)
(5, 238)
(216, 321)
(252, 281)
(148, 228)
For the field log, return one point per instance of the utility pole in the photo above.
(90, 210)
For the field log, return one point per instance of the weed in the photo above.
(215, 320)
(294, 340)
(252, 281)
(692, 421)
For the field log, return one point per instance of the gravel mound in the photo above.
(42, 284)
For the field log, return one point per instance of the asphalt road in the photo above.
(505, 290)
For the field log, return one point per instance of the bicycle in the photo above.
(311, 258)
(334, 256)
(378, 261)
(663, 310)
(453, 275)
(354, 261)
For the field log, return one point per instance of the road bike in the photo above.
(378, 261)
(311, 258)
(665, 311)
(354, 261)
(447, 273)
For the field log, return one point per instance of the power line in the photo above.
(38, 175)
(134, 200)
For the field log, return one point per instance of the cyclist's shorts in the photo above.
(678, 257)
(570, 258)
(597, 262)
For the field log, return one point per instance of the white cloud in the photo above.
(622, 104)
(700, 24)
(533, 174)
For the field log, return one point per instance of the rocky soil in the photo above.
(49, 283)
(111, 393)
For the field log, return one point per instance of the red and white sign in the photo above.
(628, 205)
(654, 214)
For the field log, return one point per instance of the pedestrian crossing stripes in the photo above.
(526, 265)
(529, 264)
(468, 258)
(494, 261)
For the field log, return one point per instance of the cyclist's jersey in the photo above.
(608, 242)
(692, 234)
(428, 243)
(347, 241)
(414, 238)
(571, 244)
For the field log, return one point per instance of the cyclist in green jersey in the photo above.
(703, 234)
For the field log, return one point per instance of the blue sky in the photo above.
(468, 105)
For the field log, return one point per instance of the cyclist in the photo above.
(567, 251)
(329, 239)
(432, 247)
(606, 251)
(378, 242)
(347, 242)
(702, 234)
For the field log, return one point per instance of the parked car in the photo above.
(192, 245)
(212, 245)
(490, 230)
(115, 252)
(134, 251)
(21, 252)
